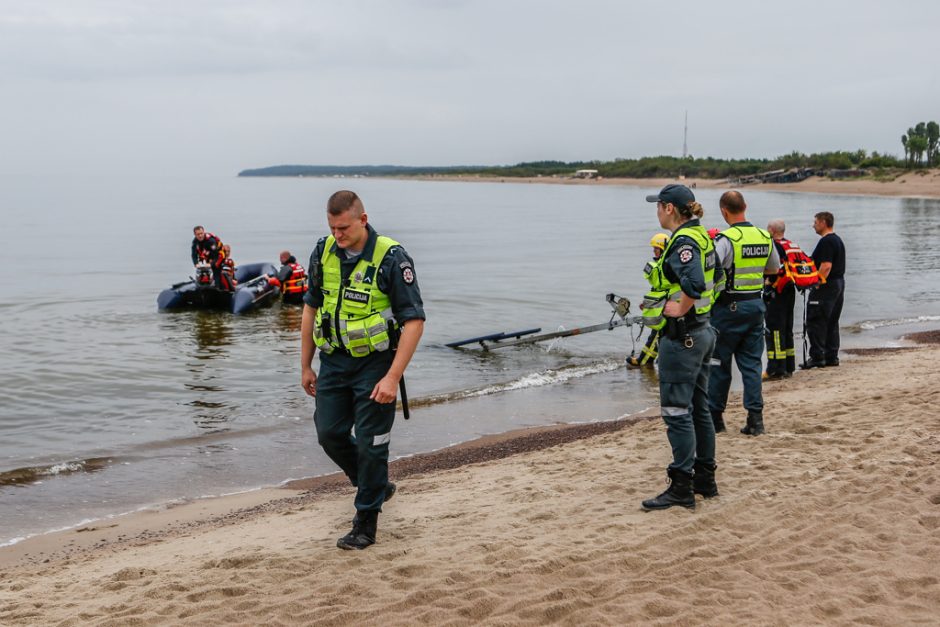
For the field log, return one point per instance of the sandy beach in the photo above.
(833, 517)
(917, 184)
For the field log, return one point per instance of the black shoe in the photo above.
(718, 421)
(776, 376)
(390, 489)
(832, 363)
(755, 423)
(363, 532)
(703, 481)
(812, 363)
(679, 492)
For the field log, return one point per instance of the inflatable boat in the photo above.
(253, 290)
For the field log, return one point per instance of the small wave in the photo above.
(32, 474)
(533, 380)
(871, 325)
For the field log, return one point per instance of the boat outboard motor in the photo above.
(204, 275)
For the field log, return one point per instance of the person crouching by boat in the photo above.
(208, 247)
(684, 278)
(292, 277)
(649, 351)
(227, 272)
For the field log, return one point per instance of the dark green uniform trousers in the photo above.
(683, 397)
(343, 404)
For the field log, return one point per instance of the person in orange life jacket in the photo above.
(356, 388)
(824, 303)
(207, 247)
(649, 351)
(292, 277)
(747, 256)
(779, 297)
(227, 270)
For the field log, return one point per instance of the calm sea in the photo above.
(108, 405)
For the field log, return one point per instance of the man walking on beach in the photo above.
(363, 296)
(746, 253)
(824, 305)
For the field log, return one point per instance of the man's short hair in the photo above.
(198, 227)
(732, 202)
(777, 226)
(826, 217)
(343, 201)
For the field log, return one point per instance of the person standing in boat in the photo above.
(227, 272)
(207, 247)
(362, 296)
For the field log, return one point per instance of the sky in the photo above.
(219, 86)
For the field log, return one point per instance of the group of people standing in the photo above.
(708, 303)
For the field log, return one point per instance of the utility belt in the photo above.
(680, 329)
(731, 299)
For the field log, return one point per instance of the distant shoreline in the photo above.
(919, 184)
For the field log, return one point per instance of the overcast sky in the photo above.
(218, 86)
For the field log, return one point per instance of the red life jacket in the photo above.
(796, 267)
(297, 282)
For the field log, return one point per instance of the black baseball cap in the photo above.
(678, 195)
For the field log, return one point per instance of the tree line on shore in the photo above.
(922, 145)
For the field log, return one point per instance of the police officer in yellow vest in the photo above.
(680, 299)
(362, 293)
(746, 253)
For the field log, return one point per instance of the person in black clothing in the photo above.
(824, 305)
(780, 297)
(207, 247)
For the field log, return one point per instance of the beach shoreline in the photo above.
(916, 184)
(831, 517)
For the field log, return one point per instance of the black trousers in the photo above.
(823, 310)
(781, 354)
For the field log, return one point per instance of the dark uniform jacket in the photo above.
(685, 269)
(208, 247)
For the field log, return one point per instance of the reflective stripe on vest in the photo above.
(297, 283)
(654, 302)
(357, 313)
(752, 248)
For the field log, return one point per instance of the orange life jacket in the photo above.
(297, 282)
(796, 267)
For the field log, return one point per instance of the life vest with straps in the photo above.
(663, 290)
(752, 248)
(797, 267)
(356, 315)
(297, 282)
(204, 249)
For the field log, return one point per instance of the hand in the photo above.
(386, 390)
(672, 309)
(308, 381)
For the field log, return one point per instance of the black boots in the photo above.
(363, 532)
(718, 421)
(703, 481)
(679, 492)
(755, 423)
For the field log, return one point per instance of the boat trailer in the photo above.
(619, 318)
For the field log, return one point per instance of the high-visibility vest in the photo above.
(752, 247)
(356, 315)
(663, 290)
(297, 282)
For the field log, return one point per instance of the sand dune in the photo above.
(833, 517)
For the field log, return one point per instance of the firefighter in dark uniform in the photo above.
(824, 303)
(363, 296)
(780, 297)
(292, 277)
(207, 247)
(746, 253)
(682, 282)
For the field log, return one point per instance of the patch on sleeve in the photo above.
(408, 276)
(685, 254)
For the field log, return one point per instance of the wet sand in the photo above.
(919, 184)
(832, 517)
